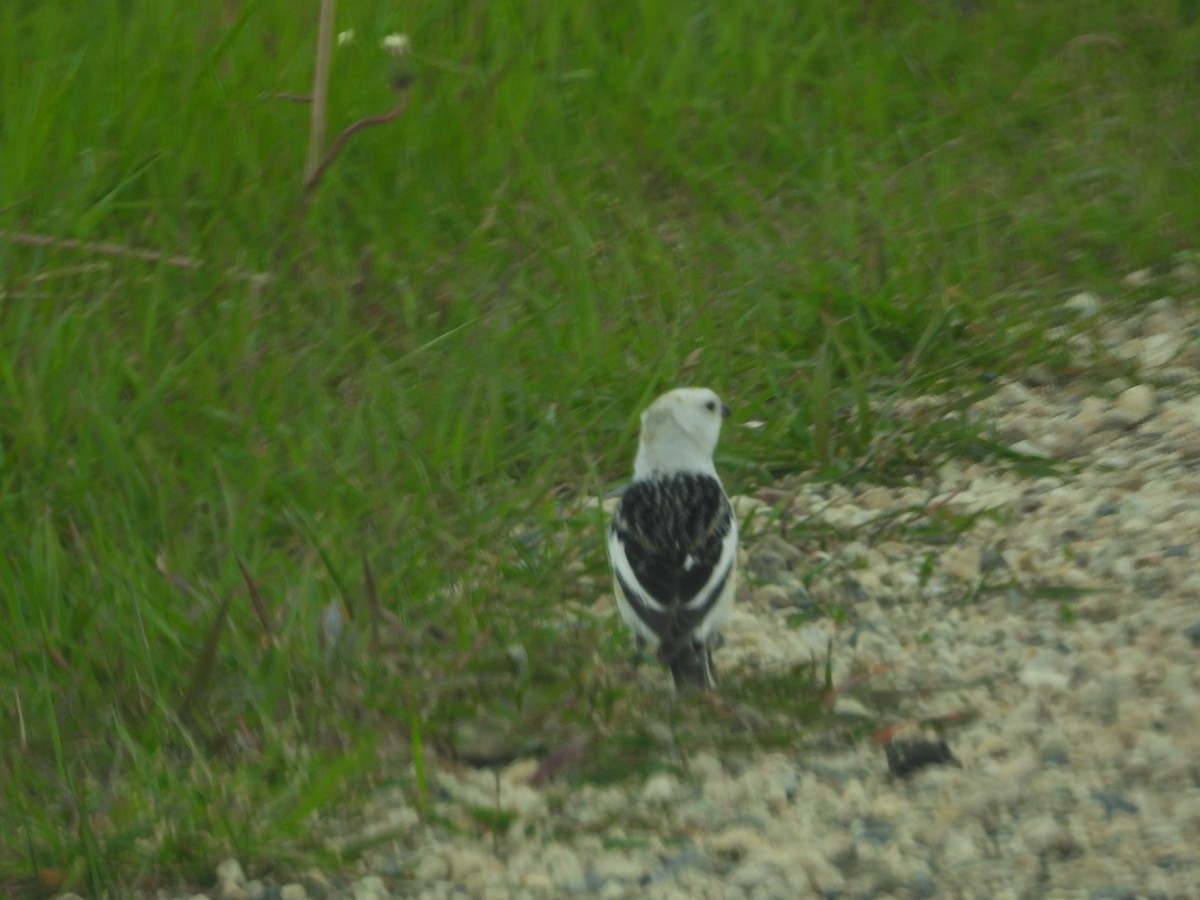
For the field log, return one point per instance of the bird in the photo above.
(673, 537)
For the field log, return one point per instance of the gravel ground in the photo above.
(1060, 633)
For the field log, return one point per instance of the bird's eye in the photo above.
(711, 405)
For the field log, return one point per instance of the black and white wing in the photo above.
(673, 543)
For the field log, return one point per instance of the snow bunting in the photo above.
(673, 538)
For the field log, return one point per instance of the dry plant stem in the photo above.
(311, 183)
(107, 249)
(320, 93)
(290, 98)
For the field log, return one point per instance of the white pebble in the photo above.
(1138, 401)
(1084, 303)
(660, 789)
(230, 873)
(371, 887)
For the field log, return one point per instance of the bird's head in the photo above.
(680, 431)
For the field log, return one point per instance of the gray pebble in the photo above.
(688, 857)
(1114, 803)
(875, 831)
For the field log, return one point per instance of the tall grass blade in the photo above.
(202, 670)
(256, 601)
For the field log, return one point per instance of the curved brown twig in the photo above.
(401, 104)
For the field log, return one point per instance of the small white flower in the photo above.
(396, 44)
(345, 37)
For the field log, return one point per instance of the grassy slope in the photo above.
(823, 199)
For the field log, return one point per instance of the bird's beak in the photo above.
(726, 412)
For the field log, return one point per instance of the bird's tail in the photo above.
(692, 667)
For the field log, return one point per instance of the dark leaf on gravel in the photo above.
(906, 757)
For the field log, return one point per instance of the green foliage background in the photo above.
(814, 207)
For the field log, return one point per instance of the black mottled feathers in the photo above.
(672, 530)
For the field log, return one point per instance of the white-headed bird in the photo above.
(673, 538)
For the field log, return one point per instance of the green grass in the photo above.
(813, 207)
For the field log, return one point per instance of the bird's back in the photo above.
(670, 539)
